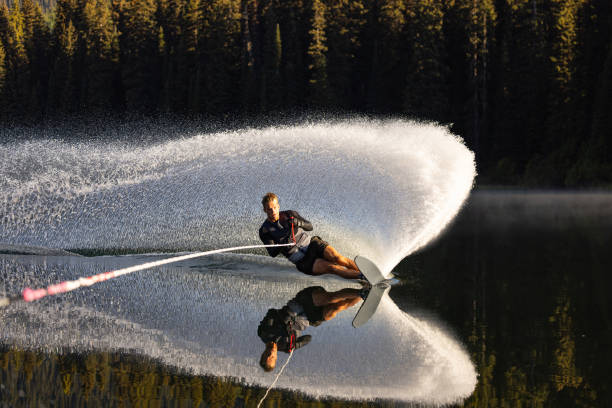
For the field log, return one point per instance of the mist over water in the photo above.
(382, 189)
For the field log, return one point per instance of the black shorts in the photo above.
(313, 313)
(315, 250)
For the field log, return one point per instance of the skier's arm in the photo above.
(267, 240)
(299, 221)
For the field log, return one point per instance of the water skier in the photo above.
(281, 329)
(311, 255)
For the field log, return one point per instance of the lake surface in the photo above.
(524, 278)
(201, 317)
(509, 307)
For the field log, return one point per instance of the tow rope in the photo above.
(275, 380)
(30, 295)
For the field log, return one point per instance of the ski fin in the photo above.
(370, 304)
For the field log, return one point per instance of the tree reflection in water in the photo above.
(525, 278)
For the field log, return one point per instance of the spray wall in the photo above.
(382, 189)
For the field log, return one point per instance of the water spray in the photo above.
(377, 188)
(30, 295)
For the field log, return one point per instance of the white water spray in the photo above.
(201, 317)
(382, 189)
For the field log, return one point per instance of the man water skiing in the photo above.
(281, 329)
(311, 255)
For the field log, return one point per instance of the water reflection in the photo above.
(525, 278)
(281, 329)
(200, 318)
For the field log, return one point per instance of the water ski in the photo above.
(369, 270)
(379, 286)
(370, 304)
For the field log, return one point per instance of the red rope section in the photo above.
(29, 295)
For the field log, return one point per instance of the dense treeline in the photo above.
(527, 83)
(46, 5)
(120, 379)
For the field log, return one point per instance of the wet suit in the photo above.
(284, 326)
(306, 249)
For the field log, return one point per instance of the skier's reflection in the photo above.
(281, 329)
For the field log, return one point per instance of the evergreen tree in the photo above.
(274, 91)
(426, 82)
(518, 91)
(601, 135)
(2, 74)
(470, 43)
(191, 25)
(270, 78)
(139, 58)
(564, 16)
(190, 69)
(63, 90)
(3, 25)
(248, 80)
(164, 58)
(552, 143)
(388, 55)
(37, 45)
(169, 17)
(318, 89)
(345, 28)
(594, 166)
(562, 134)
(294, 23)
(17, 74)
(599, 146)
(221, 55)
(100, 55)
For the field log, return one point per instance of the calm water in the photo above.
(525, 280)
(518, 285)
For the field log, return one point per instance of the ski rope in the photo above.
(30, 295)
(275, 380)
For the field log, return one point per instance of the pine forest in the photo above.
(526, 83)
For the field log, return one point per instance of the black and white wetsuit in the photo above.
(279, 232)
(285, 326)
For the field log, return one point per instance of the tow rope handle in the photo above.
(292, 342)
(292, 233)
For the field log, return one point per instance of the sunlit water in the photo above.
(381, 189)
(201, 317)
